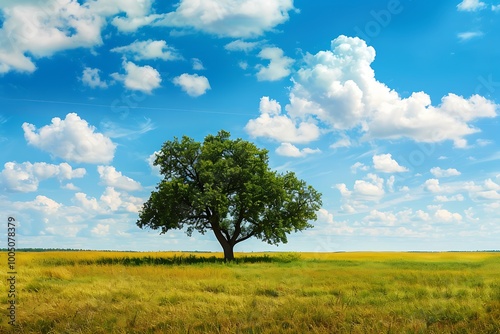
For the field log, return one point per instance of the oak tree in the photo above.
(226, 186)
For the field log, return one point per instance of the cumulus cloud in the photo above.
(289, 150)
(112, 178)
(370, 189)
(443, 215)
(150, 49)
(41, 29)
(363, 194)
(386, 164)
(140, 78)
(272, 124)
(34, 29)
(110, 201)
(278, 67)
(91, 78)
(229, 18)
(432, 185)
(25, 177)
(471, 5)
(438, 172)
(325, 216)
(193, 84)
(338, 87)
(72, 139)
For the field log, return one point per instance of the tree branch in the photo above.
(245, 237)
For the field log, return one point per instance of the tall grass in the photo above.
(116, 292)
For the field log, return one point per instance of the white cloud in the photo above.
(111, 201)
(289, 150)
(364, 193)
(197, 64)
(344, 191)
(454, 198)
(112, 178)
(140, 78)
(229, 18)
(150, 160)
(384, 163)
(495, 8)
(72, 139)
(372, 189)
(241, 45)
(137, 13)
(471, 5)
(360, 166)
(390, 183)
(432, 185)
(193, 84)
(465, 36)
(272, 124)
(438, 172)
(26, 177)
(344, 141)
(41, 29)
(278, 67)
(100, 230)
(269, 106)
(338, 87)
(443, 215)
(377, 217)
(150, 49)
(325, 216)
(91, 78)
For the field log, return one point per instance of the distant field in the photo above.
(117, 292)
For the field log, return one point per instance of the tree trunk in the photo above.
(227, 245)
(228, 252)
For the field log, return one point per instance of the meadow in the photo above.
(120, 292)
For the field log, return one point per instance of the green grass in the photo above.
(113, 292)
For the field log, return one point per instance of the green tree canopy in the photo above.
(226, 186)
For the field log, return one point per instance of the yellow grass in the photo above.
(70, 292)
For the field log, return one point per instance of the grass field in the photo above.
(116, 292)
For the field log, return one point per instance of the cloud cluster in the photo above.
(338, 88)
(25, 177)
(41, 28)
(71, 139)
(273, 124)
(229, 18)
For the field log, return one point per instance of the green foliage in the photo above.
(226, 186)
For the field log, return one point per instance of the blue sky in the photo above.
(389, 108)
